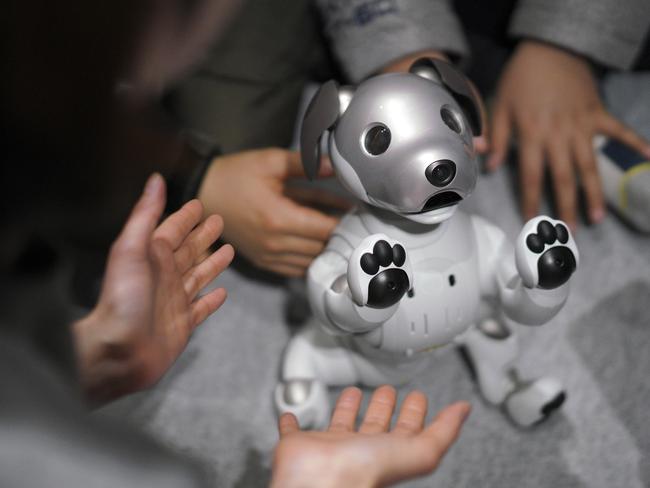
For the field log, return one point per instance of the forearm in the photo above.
(532, 306)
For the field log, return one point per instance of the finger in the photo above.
(308, 222)
(198, 242)
(175, 228)
(500, 137)
(421, 454)
(326, 169)
(346, 410)
(288, 424)
(292, 244)
(163, 259)
(202, 274)
(285, 270)
(616, 129)
(292, 166)
(444, 429)
(412, 414)
(564, 182)
(166, 277)
(589, 177)
(380, 411)
(480, 143)
(289, 259)
(531, 163)
(318, 197)
(144, 217)
(207, 305)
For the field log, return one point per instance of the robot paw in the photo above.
(379, 273)
(546, 254)
(533, 402)
(305, 398)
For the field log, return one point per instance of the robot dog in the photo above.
(407, 272)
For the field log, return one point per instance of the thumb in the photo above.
(287, 424)
(423, 453)
(500, 137)
(144, 217)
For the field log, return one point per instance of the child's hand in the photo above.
(548, 97)
(149, 304)
(275, 232)
(373, 455)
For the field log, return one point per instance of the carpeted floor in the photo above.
(215, 404)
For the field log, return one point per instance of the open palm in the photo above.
(150, 303)
(373, 455)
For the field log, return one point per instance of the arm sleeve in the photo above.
(609, 32)
(185, 177)
(365, 35)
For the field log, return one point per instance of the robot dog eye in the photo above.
(377, 139)
(451, 119)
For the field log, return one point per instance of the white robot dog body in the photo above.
(406, 272)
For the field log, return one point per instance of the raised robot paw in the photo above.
(379, 272)
(545, 253)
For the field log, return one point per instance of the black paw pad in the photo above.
(388, 287)
(546, 234)
(555, 267)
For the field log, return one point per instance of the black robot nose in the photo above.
(441, 172)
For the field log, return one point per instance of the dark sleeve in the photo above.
(608, 32)
(186, 175)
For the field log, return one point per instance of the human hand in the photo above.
(149, 303)
(549, 98)
(372, 456)
(264, 223)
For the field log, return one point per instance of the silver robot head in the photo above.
(399, 141)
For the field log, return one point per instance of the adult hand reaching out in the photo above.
(267, 226)
(549, 98)
(149, 303)
(373, 455)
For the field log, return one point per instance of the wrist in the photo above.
(102, 363)
(210, 189)
(542, 48)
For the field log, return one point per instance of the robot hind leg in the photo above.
(312, 362)
(491, 350)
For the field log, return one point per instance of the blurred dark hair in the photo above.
(75, 148)
(61, 120)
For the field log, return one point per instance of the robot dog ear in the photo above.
(453, 80)
(323, 112)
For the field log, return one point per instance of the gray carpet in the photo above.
(215, 404)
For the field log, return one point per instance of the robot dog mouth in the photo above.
(440, 200)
